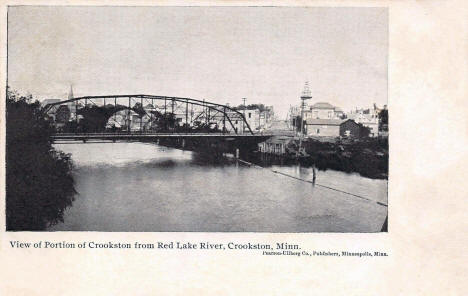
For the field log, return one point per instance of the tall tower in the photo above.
(306, 95)
(72, 105)
(70, 94)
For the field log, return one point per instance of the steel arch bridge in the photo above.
(146, 109)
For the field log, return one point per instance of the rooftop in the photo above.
(322, 105)
(49, 101)
(325, 121)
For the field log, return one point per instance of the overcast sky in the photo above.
(220, 54)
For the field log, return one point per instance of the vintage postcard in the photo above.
(187, 134)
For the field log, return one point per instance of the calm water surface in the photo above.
(145, 187)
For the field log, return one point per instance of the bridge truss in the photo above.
(139, 112)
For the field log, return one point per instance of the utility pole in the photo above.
(306, 95)
(243, 121)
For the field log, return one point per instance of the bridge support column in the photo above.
(183, 143)
(237, 152)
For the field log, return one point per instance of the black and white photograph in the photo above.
(197, 119)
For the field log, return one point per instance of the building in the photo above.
(276, 145)
(323, 110)
(323, 127)
(123, 118)
(320, 110)
(257, 116)
(266, 117)
(293, 112)
(368, 118)
(351, 129)
(339, 113)
(140, 123)
(252, 117)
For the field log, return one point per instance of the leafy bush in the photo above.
(39, 184)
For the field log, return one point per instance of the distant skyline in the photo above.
(220, 54)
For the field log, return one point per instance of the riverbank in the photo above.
(368, 157)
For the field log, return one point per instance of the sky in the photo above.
(220, 54)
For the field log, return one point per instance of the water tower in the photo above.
(306, 95)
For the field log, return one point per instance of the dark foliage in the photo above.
(166, 122)
(383, 118)
(201, 127)
(39, 184)
(260, 107)
(95, 118)
(63, 114)
(368, 157)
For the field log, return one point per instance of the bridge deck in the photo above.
(71, 136)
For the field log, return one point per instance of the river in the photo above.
(145, 187)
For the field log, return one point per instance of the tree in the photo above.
(383, 120)
(260, 107)
(39, 183)
(163, 122)
(62, 114)
(94, 118)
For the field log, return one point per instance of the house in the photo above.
(336, 128)
(339, 112)
(323, 110)
(352, 129)
(237, 122)
(276, 145)
(266, 117)
(257, 116)
(252, 117)
(323, 127)
(140, 123)
(368, 118)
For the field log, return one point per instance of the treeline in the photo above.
(260, 107)
(39, 183)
